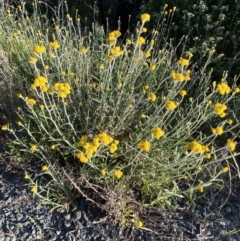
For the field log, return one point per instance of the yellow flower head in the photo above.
(116, 51)
(145, 17)
(218, 130)
(139, 223)
(34, 189)
(81, 157)
(31, 102)
(182, 92)
(44, 168)
(140, 41)
(195, 147)
(183, 62)
(144, 145)
(225, 169)
(220, 109)
(33, 148)
(54, 45)
(223, 88)
(201, 189)
(26, 176)
(170, 105)
(32, 60)
(39, 49)
(231, 144)
(157, 133)
(153, 67)
(152, 97)
(230, 121)
(118, 174)
(4, 127)
(83, 50)
(103, 172)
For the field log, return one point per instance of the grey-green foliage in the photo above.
(213, 23)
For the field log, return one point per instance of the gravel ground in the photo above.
(214, 217)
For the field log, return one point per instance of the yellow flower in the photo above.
(44, 168)
(140, 41)
(195, 147)
(128, 41)
(39, 49)
(112, 37)
(33, 148)
(223, 88)
(208, 155)
(62, 89)
(231, 144)
(143, 116)
(4, 127)
(183, 62)
(218, 130)
(145, 17)
(26, 176)
(83, 50)
(103, 172)
(170, 105)
(32, 60)
(19, 123)
(40, 81)
(182, 92)
(177, 76)
(237, 90)
(200, 189)
(31, 102)
(153, 67)
(34, 189)
(116, 51)
(220, 108)
(54, 45)
(139, 223)
(118, 174)
(225, 169)
(46, 67)
(144, 30)
(82, 158)
(152, 97)
(144, 145)
(147, 54)
(230, 121)
(113, 148)
(157, 133)
(52, 147)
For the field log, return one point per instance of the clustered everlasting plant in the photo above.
(126, 119)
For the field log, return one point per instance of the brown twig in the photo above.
(74, 184)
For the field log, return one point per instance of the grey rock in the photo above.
(19, 216)
(224, 222)
(67, 216)
(77, 215)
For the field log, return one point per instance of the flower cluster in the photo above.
(197, 147)
(41, 82)
(112, 37)
(223, 88)
(39, 49)
(218, 130)
(171, 105)
(157, 133)
(220, 109)
(183, 62)
(54, 45)
(144, 145)
(145, 17)
(116, 51)
(181, 77)
(62, 89)
(90, 148)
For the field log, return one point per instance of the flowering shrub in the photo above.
(104, 115)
